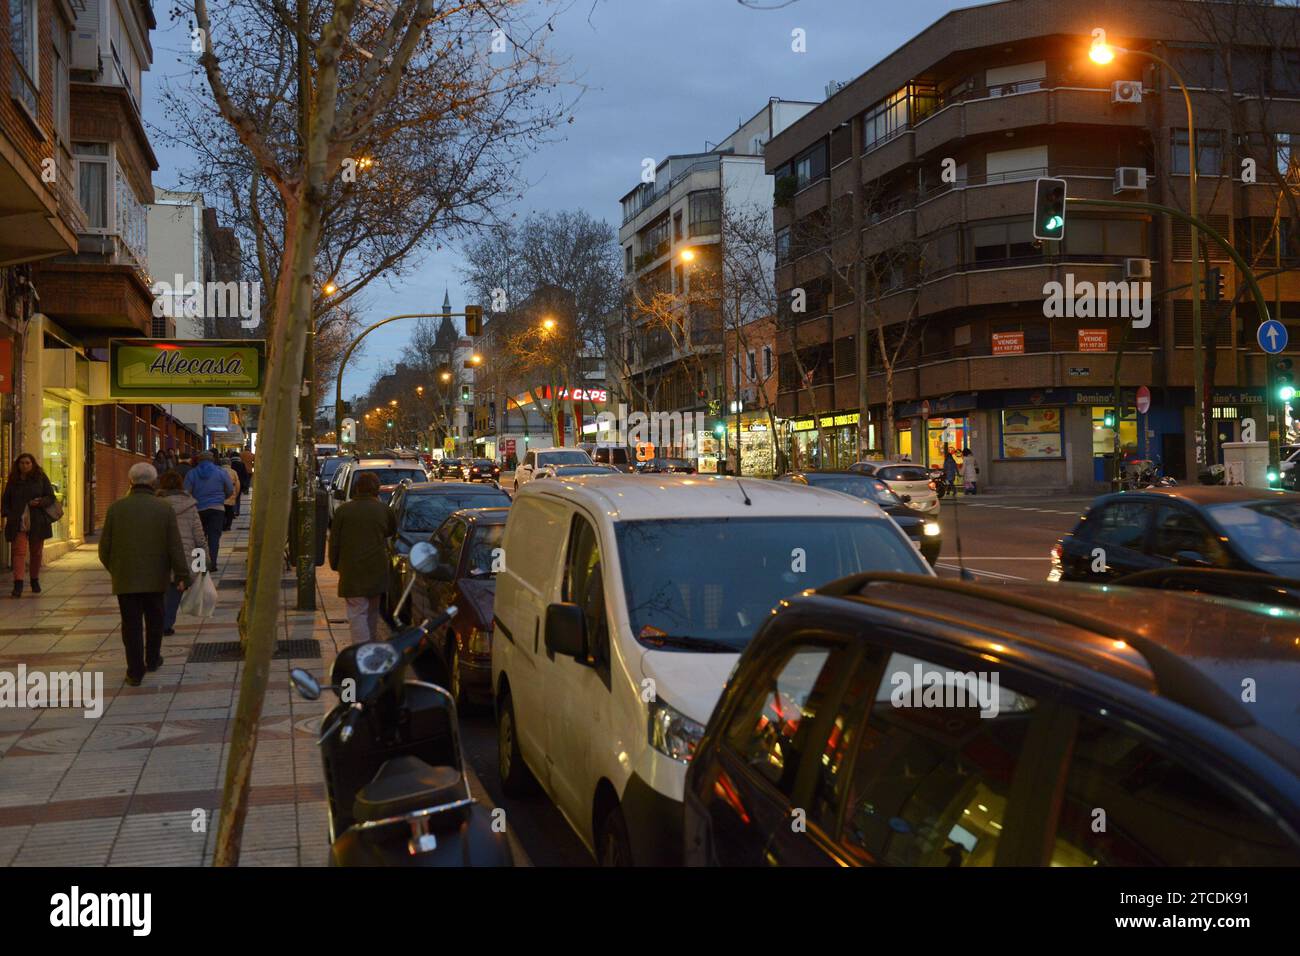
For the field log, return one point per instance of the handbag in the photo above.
(200, 598)
(54, 510)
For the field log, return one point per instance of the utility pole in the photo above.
(306, 530)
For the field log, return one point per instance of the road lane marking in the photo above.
(987, 574)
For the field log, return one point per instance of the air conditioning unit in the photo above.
(85, 51)
(1137, 268)
(1129, 178)
(1126, 91)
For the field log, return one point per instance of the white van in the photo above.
(539, 458)
(622, 609)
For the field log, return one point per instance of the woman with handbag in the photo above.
(30, 508)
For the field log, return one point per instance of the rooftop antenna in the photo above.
(742, 491)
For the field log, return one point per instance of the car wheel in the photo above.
(615, 847)
(516, 779)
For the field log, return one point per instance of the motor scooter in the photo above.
(395, 780)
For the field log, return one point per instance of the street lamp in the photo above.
(688, 255)
(329, 288)
(445, 376)
(1103, 53)
(548, 323)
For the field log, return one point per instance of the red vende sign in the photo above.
(6, 365)
(1008, 343)
(1093, 340)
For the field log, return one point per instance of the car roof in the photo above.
(640, 497)
(1173, 644)
(1204, 494)
(387, 463)
(447, 487)
(557, 448)
(494, 515)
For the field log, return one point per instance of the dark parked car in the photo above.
(450, 468)
(421, 509)
(667, 466)
(914, 721)
(328, 466)
(924, 530)
(479, 469)
(1200, 526)
(469, 557)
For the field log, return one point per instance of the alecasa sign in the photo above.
(201, 370)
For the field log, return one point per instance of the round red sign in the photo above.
(1144, 399)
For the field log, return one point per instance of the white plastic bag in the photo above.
(200, 598)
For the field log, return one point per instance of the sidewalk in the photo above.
(141, 784)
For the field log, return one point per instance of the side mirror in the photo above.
(304, 683)
(564, 631)
(423, 557)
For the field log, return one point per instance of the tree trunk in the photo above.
(270, 522)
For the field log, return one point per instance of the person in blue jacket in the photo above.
(210, 486)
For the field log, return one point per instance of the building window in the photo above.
(735, 370)
(627, 258)
(125, 427)
(706, 213)
(131, 219)
(751, 369)
(61, 88)
(783, 244)
(898, 112)
(125, 63)
(92, 181)
(767, 361)
(1209, 152)
(677, 226)
(26, 68)
(811, 166)
(1003, 241)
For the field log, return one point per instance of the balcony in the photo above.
(96, 300)
(33, 222)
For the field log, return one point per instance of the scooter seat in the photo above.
(404, 784)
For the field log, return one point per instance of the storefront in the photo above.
(824, 442)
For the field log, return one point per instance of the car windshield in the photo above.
(859, 486)
(393, 476)
(428, 511)
(903, 473)
(328, 467)
(570, 470)
(707, 584)
(481, 463)
(1268, 531)
(574, 457)
(483, 549)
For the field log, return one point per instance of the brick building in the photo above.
(910, 189)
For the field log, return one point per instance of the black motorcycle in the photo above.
(394, 770)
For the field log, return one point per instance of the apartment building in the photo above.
(667, 351)
(904, 206)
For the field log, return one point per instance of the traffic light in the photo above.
(390, 423)
(473, 320)
(720, 429)
(1283, 383)
(464, 393)
(1214, 285)
(1049, 209)
(1108, 418)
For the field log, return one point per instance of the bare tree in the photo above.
(300, 91)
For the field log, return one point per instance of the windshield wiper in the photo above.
(695, 643)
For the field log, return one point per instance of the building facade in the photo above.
(904, 207)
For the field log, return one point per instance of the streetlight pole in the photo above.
(1103, 52)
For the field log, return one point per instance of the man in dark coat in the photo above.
(358, 550)
(240, 469)
(140, 545)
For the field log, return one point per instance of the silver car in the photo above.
(905, 479)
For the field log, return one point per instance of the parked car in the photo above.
(1205, 526)
(420, 510)
(389, 471)
(538, 458)
(573, 471)
(479, 469)
(667, 466)
(829, 711)
(616, 456)
(622, 608)
(327, 469)
(922, 528)
(904, 478)
(450, 468)
(469, 556)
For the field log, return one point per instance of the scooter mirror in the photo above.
(423, 557)
(306, 685)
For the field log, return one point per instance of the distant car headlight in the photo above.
(480, 642)
(672, 733)
(931, 529)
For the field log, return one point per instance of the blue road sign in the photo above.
(1271, 336)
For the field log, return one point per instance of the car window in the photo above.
(1177, 529)
(455, 539)
(391, 476)
(574, 457)
(1268, 531)
(424, 512)
(903, 473)
(484, 547)
(1120, 524)
(859, 486)
(531, 460)
(584, 585)
(772, 729)
(1126, 803)
(935, 759)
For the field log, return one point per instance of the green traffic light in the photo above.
(1272, 477)
(1286, 393)
(1055, 223)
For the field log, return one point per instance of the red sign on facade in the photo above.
(1093, 340)
(1008, 343)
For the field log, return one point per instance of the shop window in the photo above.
(125, 428)
(56, 455)
(943, 434)
(1031, 433)
(1103, 438)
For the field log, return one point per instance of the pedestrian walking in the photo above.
(950, 471)
(210, 486)
(140, 545)
(233, 500)
(970, 469)
(241, 469)
(27, 523)
(183, 465)
(358, 550)
(171, 490)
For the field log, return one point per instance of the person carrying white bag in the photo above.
(200, 599)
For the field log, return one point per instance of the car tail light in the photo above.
(933, 486)
(1057, 553)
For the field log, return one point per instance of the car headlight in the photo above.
(931, 529)
(672, 733)
(480, 642)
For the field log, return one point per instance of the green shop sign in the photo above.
(199, 370)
